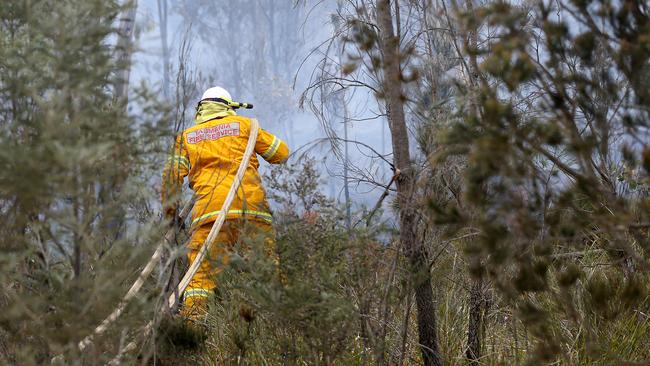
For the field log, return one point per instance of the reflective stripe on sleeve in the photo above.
(180, 160)
(268, 154)
(263, 215)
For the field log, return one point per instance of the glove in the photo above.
(170, 213)
(174, 220)
(178, 222)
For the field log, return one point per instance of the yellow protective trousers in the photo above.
(202, 286)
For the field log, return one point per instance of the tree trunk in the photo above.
(476, 306)
(124, 49)
(162, 18)
(426, 317)
(476, 296)
(115, 221)
(346, 165)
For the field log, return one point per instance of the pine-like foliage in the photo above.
(72, 179)
(527, 201)
(554, 127)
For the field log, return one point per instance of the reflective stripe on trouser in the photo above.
(204, 281)
(243, 213)
(197, 292)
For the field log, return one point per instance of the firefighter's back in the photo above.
(215, 149)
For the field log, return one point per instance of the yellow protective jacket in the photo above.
(209, 154)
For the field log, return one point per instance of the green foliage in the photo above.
(542, 147)
(71, 180)
(535, 186)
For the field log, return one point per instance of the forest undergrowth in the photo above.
(334, 289)
(512, 213)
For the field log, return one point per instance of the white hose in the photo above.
(137, 285)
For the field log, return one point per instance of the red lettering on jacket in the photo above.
(213, 133)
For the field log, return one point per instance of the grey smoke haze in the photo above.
(269, 65)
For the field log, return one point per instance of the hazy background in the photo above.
(267, 53)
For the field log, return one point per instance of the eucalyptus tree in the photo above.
(383, 59)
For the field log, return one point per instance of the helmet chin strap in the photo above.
(233, 105)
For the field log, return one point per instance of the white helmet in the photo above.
(217, 92)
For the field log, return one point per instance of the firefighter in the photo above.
(209, 154)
